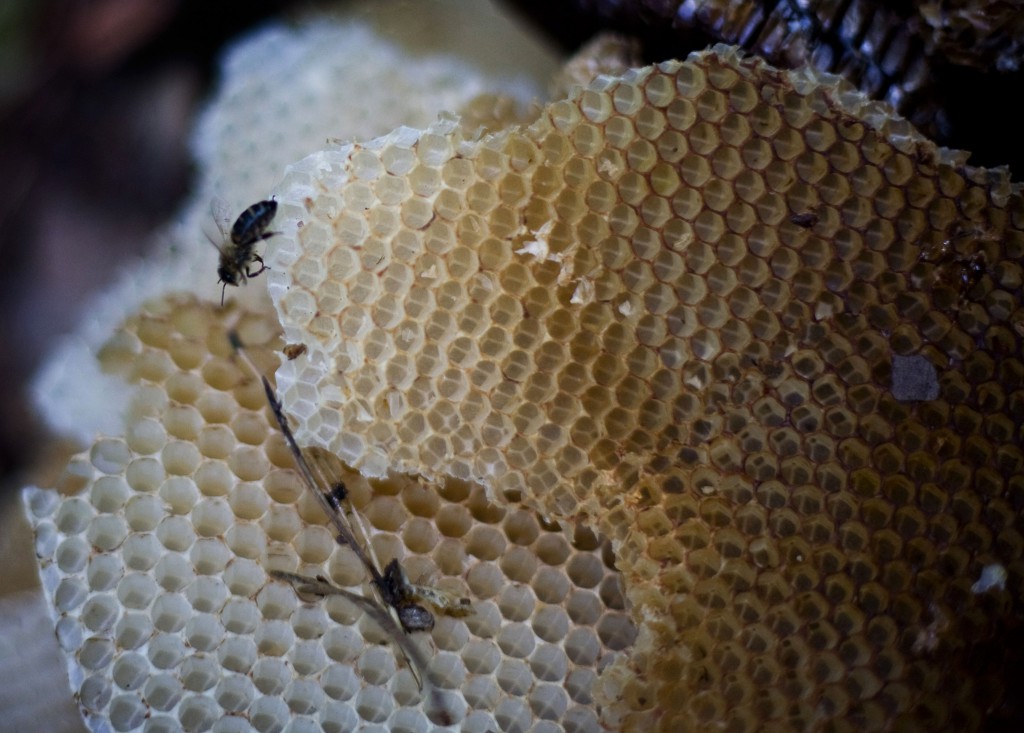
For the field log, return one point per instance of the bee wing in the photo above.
(329, 471)
(444, 602)
(220, 217)
(326, 466)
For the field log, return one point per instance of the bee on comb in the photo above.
(238, 245)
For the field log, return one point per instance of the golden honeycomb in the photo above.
(747, 324)
(910, 54)
(282, 90)
(157, 564)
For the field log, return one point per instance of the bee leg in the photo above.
(262, 267)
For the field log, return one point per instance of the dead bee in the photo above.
(237, 248)
(294, 351)
(397, 592)
(319, 586)
(399, 611)
(407, 598)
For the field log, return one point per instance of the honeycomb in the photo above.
(747, 324)
(937, 62)
(282, 91)
(157, 565)
(267, 115)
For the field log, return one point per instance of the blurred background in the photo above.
(96, 102)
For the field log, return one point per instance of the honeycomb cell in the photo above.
(235, 694)
(140, 548)
(132, 630)
(268, 713)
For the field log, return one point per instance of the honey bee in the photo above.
(237, 251)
